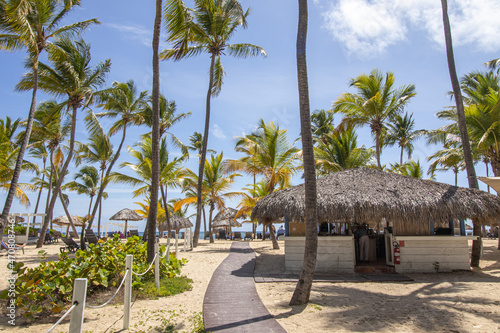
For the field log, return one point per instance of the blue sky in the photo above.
(345, 39)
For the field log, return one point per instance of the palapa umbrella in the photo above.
(177, 223)
(360, 195)
(227, 218)
(226, 223)
(126, 215)
(64, 221)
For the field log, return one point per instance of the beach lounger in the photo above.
(56, 236)
(237, 235)
(48, 238)
(73, 235)
(248, 235)
(71, 245)
(134, 232)
(90, 237)
(16, 247)
(222, 234)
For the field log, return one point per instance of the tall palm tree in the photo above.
(31, 25)
(121, 101)
(72, 77)
(339, 151)
(206, 28)
(469, 163)
(447, 159)
(304, 284)
(401, 131)
(376, 102)
(250, 199)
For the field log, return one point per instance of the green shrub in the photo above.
(49, 286)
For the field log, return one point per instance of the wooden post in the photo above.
(157, 267)
(79, 294)
(128, 291)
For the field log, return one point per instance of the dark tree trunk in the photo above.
(48, 217)
(469, 164)
(20, 156)
(211, 234)
(155, 136)
(201, 168)
(272, 235)
(167, 214)
(303, 289)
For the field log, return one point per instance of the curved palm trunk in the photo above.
(401, 156)
(20, 156)
(204, 222)
(108, 171)
(52, 203)
(167, 214)
(303, 289)
(203, 158)
(39, 192)
(155, 135)
(469, 164)
(211, 234)
(66, 211)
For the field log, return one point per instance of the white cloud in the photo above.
(370, 27)
(217, 132)
(137, 33)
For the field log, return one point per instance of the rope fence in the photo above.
(80, 293)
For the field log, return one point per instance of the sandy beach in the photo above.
(445, 302)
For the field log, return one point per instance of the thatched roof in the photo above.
(225, 223)
(178, 222)
(227, 213)
(360, 195)
(126, 215)
(63, 221)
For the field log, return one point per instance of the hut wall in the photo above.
(426, 254)
(335, 254)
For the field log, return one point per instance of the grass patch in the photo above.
(168, 287)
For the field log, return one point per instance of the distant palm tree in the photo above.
(72, 77)
(86, 182)
(339, 151)
(411, 168)
(31, 25)
(376, 102)
(250, 199)
(121, 101)
(447, 159)
(401, 131)
(321, 125)
(206, 28)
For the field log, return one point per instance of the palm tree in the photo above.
(73, 77)
(250, 199)
(31, 25)
(303, 288)
(376, 102)
(322, 125)
(216, 182)
(447, 159)
(339, 151)
(89, 183)
(410, 169)
(121, 101)
(401, 131)
(469, 164)
(206, 28)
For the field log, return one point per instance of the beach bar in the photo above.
(412, 225)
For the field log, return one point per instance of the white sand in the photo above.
(455, 302)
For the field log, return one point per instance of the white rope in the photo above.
(152, 262)
(64, 316)
(116, 292)
(166, 251)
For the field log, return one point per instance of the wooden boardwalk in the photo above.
(231, 301)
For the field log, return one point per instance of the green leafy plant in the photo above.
(49, 286)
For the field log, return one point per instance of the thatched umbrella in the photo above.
(227, 218)
(64, 221)
(226, 223)
(178, 222)
(361, 195)
(126, 215)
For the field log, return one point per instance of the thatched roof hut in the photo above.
(178, 222)
(362, 195)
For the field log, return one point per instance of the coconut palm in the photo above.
(122, 101)
(206, 28)
(87, 181)
(321, 125)
(72, 77)
(250, 199)
(469, 163)
(401, 131)
(411, 169)
(303, 288)
(376, 102)
(447, 159)
(217, 180)
(31, 25)
(339, 151)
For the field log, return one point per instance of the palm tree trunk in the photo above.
(303, 289)
(66, 211)
(210, 223)
(203, 156)
(52, 203)
(167, 214)
(20, 156)
(401, 156)
(469, 164)
(272, 235)
(377, 149)
(204, 222)
(39, 192)
(155, 135)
